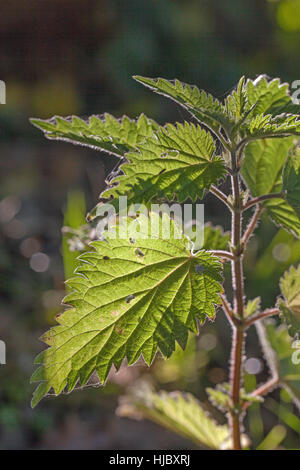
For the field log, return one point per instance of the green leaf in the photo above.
(255, 109)
(220, 397)
(115, 136)
(289, 318)
(178, 162)
(177, 411)
(236, 102)
(130, 297)
(282, 355)
(283, 215)
(252, 307)
(290, 306)
(263, 108)
(263, 163)
(262, 172)
(290, 288)
(207, 109)
(266, 125)
(291, 180)
(265, 96)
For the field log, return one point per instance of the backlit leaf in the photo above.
(130, 297)
(177, 411)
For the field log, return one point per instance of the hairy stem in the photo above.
(236, 369)
(259, 199)
(227, 310)
(263, 390)
(238, 291)
(220, 195)
(222, 254)
(252, 224)
(259, 316)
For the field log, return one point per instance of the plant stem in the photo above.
(220, 195)
(265, 314)
(227, 310)
(259, 199)
(252, 224)
(222, 254)
(236, 368)
(263, 390)
(238, 290)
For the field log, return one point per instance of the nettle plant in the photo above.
(130, 298)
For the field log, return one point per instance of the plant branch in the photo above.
(222, 254)
(240, 150)
(259, 199)
(259, 316)
(227, 310)
(263, 390)
(222, 140)
(220, 195)
(241, 145)
(252, 224)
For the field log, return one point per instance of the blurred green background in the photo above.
(77, 57)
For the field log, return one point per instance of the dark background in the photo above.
(77, 57)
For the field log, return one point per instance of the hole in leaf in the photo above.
(119, 330)
(105, 257)
(170, 154)
(139, 252)
(130, 298)
(199, 268)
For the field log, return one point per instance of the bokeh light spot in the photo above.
(281, 252)
(253, 366)
(14, 229)
(39, 262)
(208, 341)
(9, 207)
(216, 375)
(29, 246)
